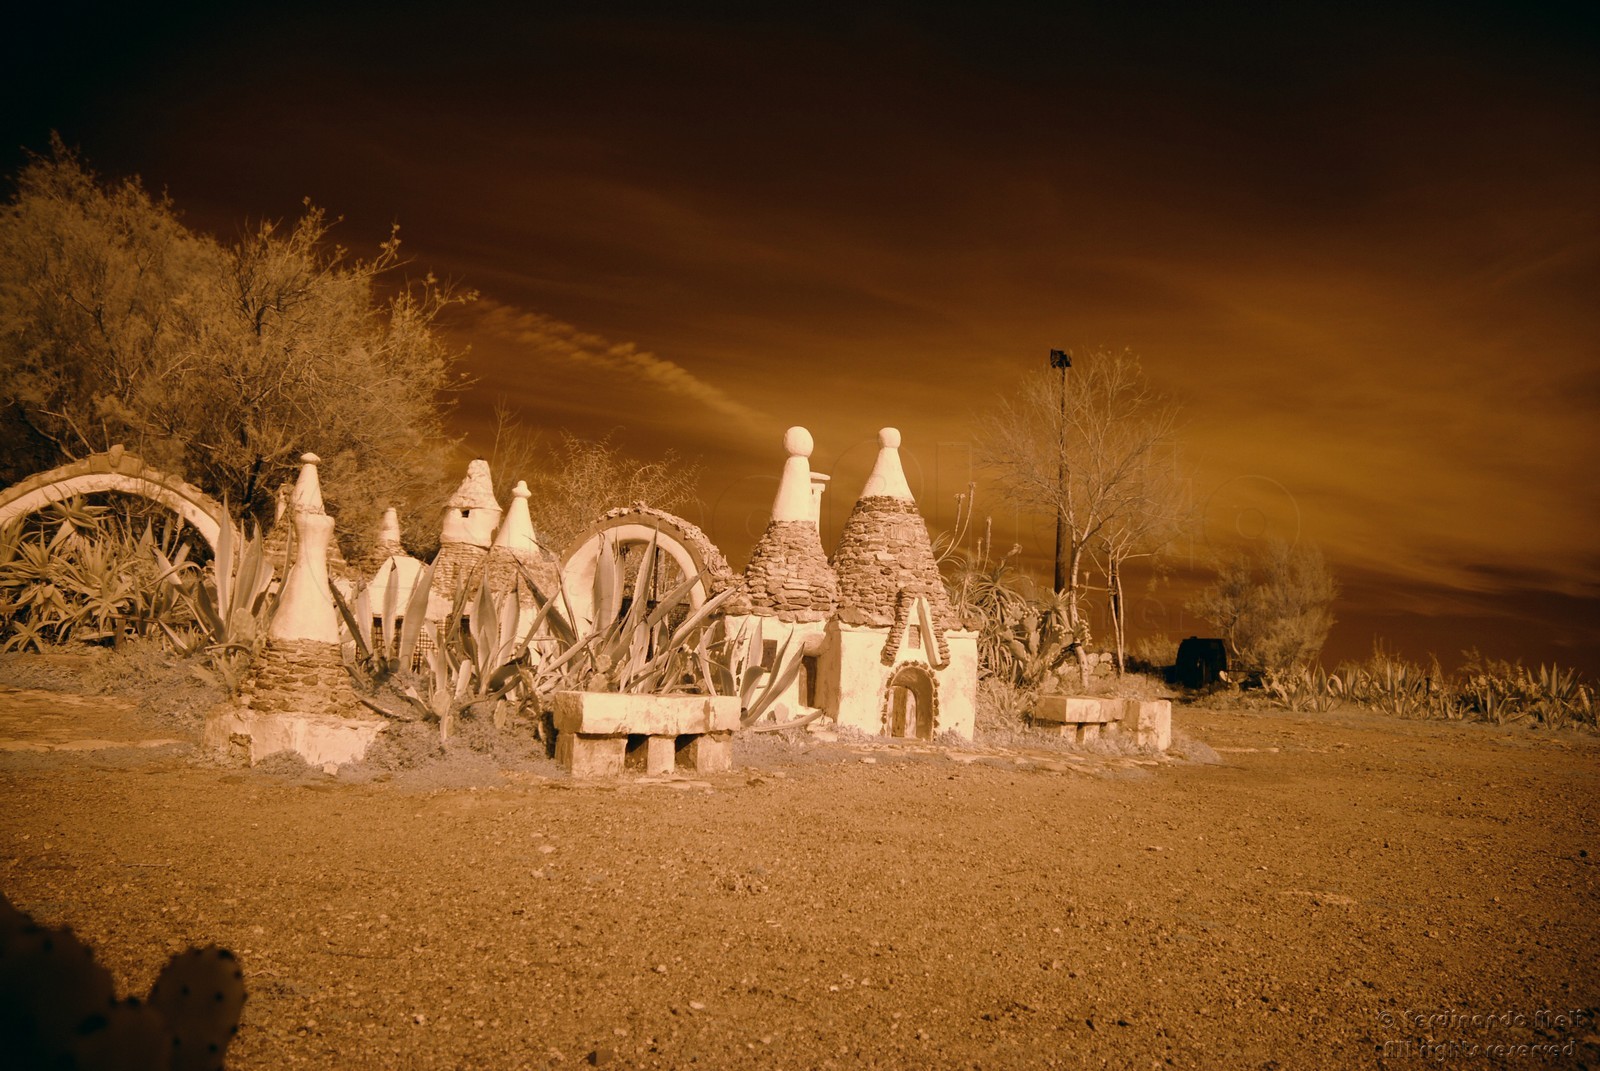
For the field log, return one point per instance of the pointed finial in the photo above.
(389, 527)
(888, 479)
(307, 496)
(798, 442)
(793, 502)
(516, 532)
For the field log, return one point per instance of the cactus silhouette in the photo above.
(58, 1007)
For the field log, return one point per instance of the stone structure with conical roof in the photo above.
(789, 577)
(788, 591)
(516, 563)
(298, 695)
(895, 660)
(470, 518)
(884, 552)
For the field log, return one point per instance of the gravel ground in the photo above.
(1337, 891)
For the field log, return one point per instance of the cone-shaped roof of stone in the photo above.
(476, 490)
(516, 557)
(453, 564)
(885, 550)
(511, 570)
(307, 494)
(789, 576)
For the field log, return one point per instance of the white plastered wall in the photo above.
(855, 679)
(795, 640)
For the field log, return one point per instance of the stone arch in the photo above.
(912, 702)
(591, 572)
(114, 470)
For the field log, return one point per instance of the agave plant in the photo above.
(1557, 696)
(731, 664)
(77, 572)
(487, 654)
(399, 628)
(483, 655)
(233, 605)
(1308, 688)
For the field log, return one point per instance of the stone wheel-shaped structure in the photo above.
(595, 572)
(114, 470)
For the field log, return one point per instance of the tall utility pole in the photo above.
(1063, 360)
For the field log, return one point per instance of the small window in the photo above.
(914, 637)
(769, 655)
(466, 513)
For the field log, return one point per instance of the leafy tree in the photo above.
(220, 362)
(1084, 446)
(1272, 605)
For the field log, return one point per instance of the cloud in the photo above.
(547, 341)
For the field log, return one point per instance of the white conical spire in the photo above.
(888, 479)
(389, 527)
(516, 531)
(307, 496)
(793, 502)
(305, 609)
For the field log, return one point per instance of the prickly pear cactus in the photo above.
(58, 1007)
(200, 993)
(130, 1036)
(50, 987)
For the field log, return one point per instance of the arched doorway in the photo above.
(912, 694)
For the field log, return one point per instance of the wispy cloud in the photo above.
(545, 340)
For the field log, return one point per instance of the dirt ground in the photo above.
(1337, 891)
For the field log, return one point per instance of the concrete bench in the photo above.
(600, 734)
(1085, 718)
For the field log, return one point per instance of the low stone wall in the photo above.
(1148, 722)
(299, 699)
(322, 740)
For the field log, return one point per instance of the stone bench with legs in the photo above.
(600, 734)
(1085, 718)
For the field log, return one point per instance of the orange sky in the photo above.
(1360, 247)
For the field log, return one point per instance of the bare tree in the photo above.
(573, 480)
(1155, 512)
(1080, 445)
(1272, 604)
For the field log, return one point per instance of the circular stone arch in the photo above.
(592, 572)
(114, 470)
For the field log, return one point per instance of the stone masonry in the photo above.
(789, 576)
(300, 677)
(883, 551)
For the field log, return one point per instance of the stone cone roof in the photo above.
(452, 566)
(885, 550)
(501, 567)
(476, 490)
(789, 576)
